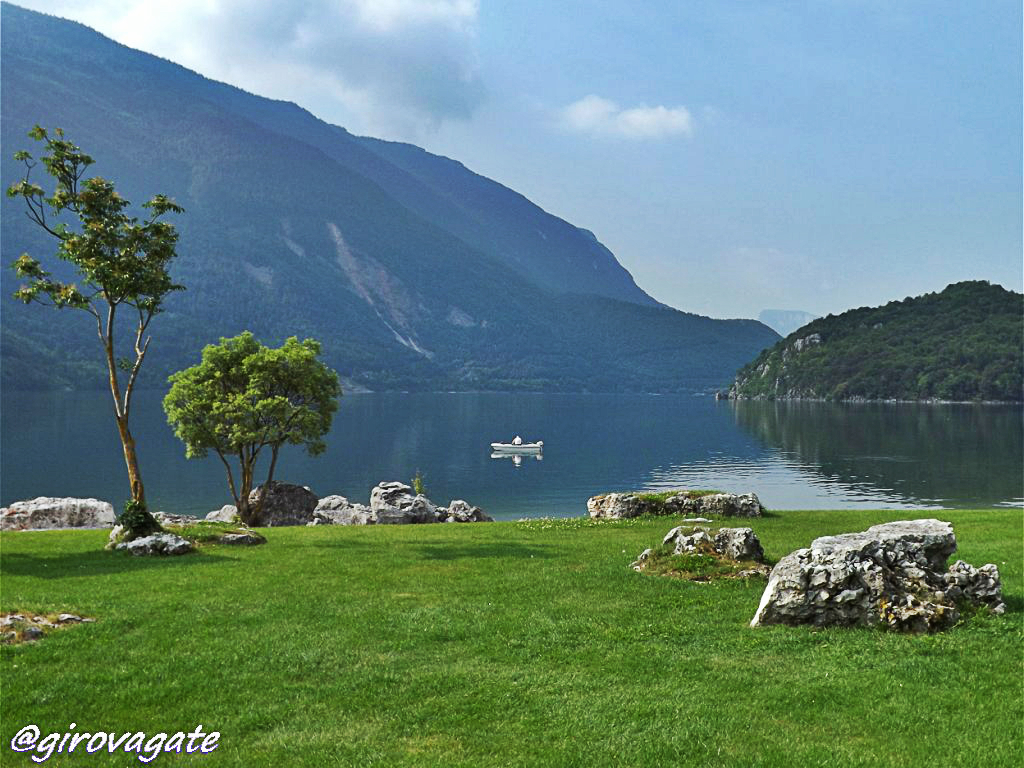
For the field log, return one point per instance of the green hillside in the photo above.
(411, 270)
(962, 344)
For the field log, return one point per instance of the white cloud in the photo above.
(394, 67)
(602, 117)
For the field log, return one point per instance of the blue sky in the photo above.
(735, 156)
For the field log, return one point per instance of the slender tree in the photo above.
(244, 398)
(122, 262)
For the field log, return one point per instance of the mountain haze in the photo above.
(411, 270)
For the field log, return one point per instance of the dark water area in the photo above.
(793, 455)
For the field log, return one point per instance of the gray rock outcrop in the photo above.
(337, 510)
(284, 504)
(165, 519)
(459, 511)
(395, 504)
(226, 514)
(892, 575)
(47, 512)
(242, 539)
(617, 506)
(716, 504)
(734, 543)
(157, 544)
(739, 544)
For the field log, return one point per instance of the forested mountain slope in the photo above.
(965, 343)
(414, 272)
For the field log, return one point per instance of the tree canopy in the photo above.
(243, 398)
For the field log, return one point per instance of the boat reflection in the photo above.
(517, 458)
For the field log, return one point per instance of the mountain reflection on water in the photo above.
(921, 453)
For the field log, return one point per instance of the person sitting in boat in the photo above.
(517, 440)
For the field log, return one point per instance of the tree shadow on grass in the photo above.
(498, 550)
(67, 565)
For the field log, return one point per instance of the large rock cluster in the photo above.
(390, 504)
(46, 512)
(891, 575)
(394, 504)
(616, 506)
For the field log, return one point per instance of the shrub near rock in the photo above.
(697, 554)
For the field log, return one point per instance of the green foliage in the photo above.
(417, 484)
(663, 496)
(963, 344)
(244, 397)
(136, 520)
(205, 531)
(120, 260)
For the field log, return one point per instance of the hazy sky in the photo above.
(735, 156)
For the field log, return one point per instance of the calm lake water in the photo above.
(793, 455)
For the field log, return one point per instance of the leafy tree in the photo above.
(244, 397)
(122, 262)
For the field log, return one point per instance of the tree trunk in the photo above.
(270, 477)
(247, 513)
(131, 460)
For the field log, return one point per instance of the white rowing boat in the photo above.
(517, 446)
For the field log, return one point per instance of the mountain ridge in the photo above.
(282, 237)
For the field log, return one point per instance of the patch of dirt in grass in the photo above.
(17, 627)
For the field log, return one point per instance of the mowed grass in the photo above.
(496, 645)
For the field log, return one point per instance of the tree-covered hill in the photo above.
(413, 272)
(965, 343)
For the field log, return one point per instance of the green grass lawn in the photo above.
(500, 644)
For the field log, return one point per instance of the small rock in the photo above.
(459, 511)
(739, 544)
(226, 514)
(638, 564)
(157, 544)
(165, 519)
(31, 633)
(337, 510)
(619, 506)
(246, 538)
